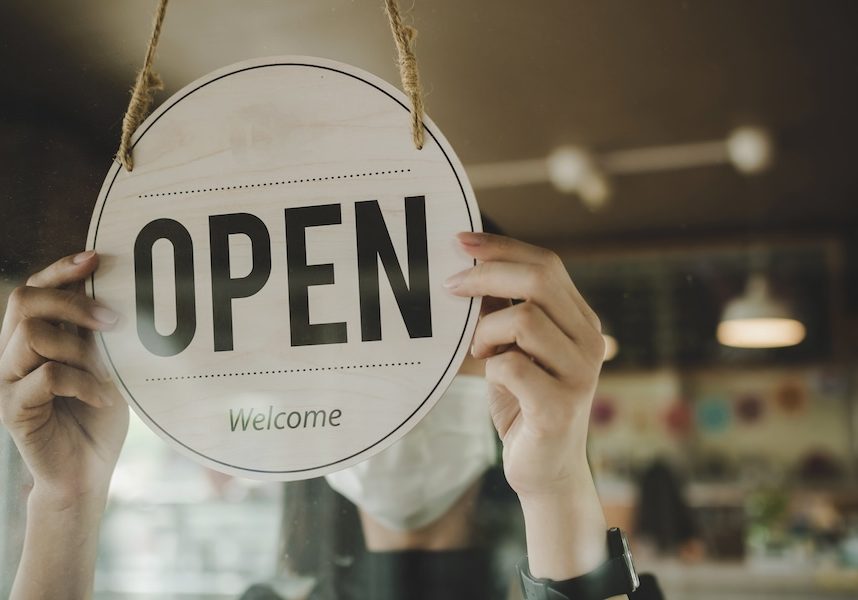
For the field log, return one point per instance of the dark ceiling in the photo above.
(506, 80)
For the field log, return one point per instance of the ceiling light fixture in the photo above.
(575, 170)
(756, 320)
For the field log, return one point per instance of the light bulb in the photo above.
(568, 166)
(611, 346)
(761, 333)
(595, 191)
(750, 149)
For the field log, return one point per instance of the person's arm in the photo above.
(58, 560)
(67, 421)
(543, 357)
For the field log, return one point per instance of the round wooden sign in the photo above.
(277, 258)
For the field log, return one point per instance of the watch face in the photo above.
(618, 546)
(633, 574)
(630, 565)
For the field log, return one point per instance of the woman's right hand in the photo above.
(56, 398)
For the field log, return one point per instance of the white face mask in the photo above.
(421, 476)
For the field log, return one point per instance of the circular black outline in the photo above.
(95, 238)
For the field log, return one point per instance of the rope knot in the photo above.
(143, 92)
(405, 36)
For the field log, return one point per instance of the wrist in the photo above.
(576, 484)
(85, 505)
(565, 530)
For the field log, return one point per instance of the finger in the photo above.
(533, 284)
(36, 342)
(489, 247)
(528, 327)
(490, 305)
(67, 270)
(54, 379)
(99, 367)
(540, 396)
(55, 305)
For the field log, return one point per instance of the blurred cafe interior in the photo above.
(693, 164)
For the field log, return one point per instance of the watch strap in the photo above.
(609, 579)
(614, 577)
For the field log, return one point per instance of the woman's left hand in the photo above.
(543, 357)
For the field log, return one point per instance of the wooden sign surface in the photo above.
(277, 258)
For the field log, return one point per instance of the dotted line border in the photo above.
(283, 371)
(272, 183)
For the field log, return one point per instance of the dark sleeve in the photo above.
(260, 592)
(648, 589)
(425, 575)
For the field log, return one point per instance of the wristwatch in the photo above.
(615, 577)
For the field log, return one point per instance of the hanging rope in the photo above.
(404, 36)
(148, 82)
(143, 92)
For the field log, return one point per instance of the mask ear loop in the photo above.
(148, 82)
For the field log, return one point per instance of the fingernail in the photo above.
(455, 280)
(104, 315)
(471, 238)
(108, 401)
(83, 257)
(472, 351)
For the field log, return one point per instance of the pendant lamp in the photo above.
(757, 320)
